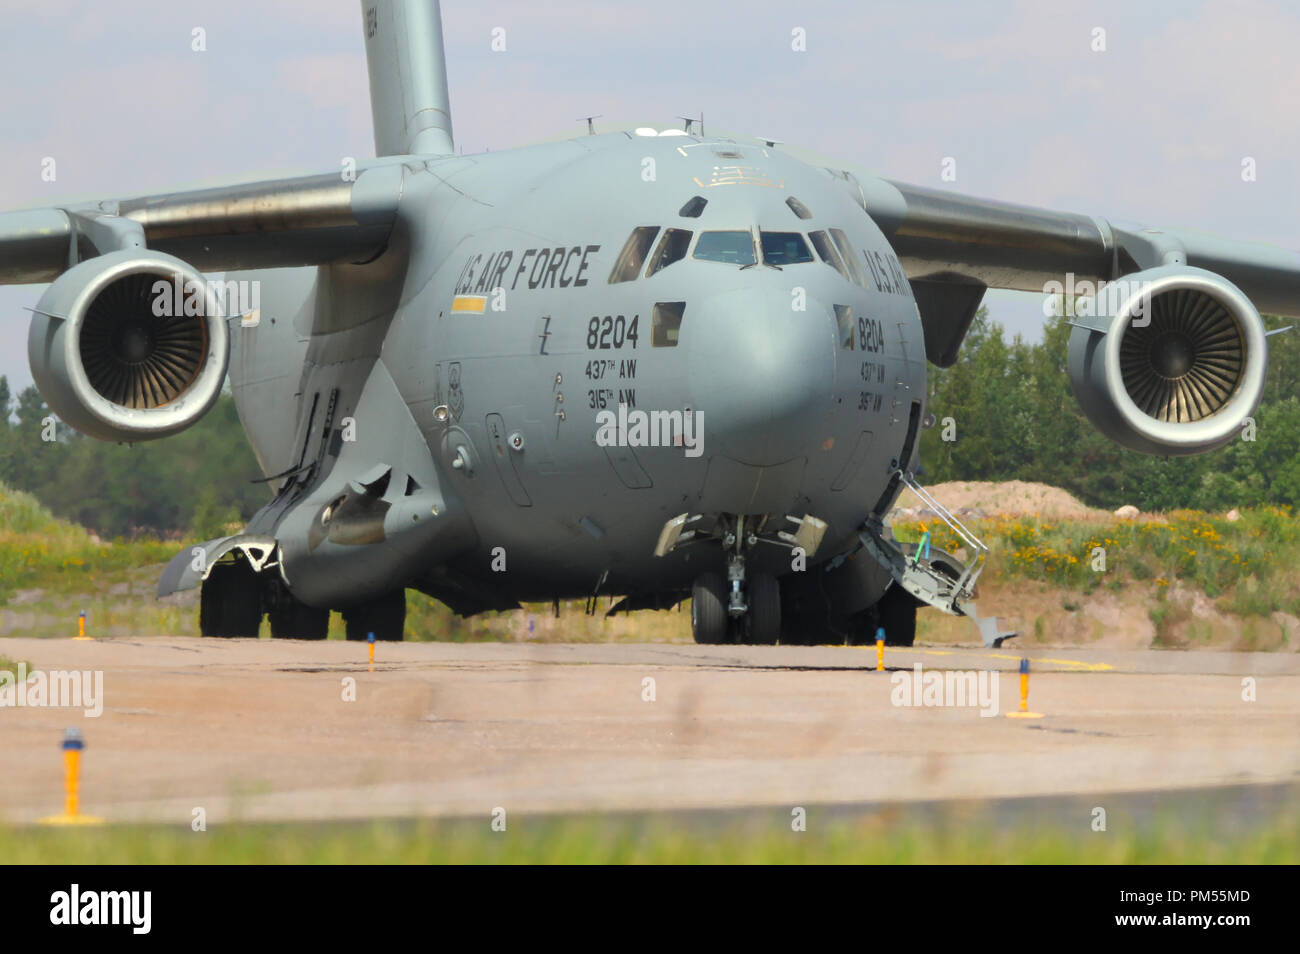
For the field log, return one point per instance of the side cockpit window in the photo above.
(672, 248)
(826, 251)
(732, 248)
(784, 248)
(628, 264)
(856, 272)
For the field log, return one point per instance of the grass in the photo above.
(39, 550)
(51, 569)
(60, 570)
(958, 836)
(1251, 567)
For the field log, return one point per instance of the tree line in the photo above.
(194, 483)
(1016, 418)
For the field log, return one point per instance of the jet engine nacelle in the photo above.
(1173, 362)
(129, 346)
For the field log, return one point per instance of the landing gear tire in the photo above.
(709, 609)
(295, 620)
(897, 614)
(230, 603)
(384, 616)
(763, 621)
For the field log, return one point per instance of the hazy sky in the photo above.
(1153, 129)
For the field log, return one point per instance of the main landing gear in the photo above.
(230, 603)
(233, 600)
(385, 616)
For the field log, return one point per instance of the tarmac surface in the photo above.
(265, 730)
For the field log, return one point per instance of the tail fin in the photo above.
(408, 77)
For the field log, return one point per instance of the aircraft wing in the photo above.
(952, 247)
(145, 364)
(309, 220)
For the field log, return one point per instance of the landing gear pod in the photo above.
(129, 346)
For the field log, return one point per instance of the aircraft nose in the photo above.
(763, 374)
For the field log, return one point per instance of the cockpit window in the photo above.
(628, 264)
(827, 252)
(844, 322)
(798, 208)
(733, 248)
(693, 207)
(784, 248)
(672, 248)
(856, 271)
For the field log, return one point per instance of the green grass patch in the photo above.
(956, 837)
(38, 550)
(51, 569)
(1252, 565)
(61, 570)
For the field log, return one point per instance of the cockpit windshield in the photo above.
(784, 248)
(733, 248)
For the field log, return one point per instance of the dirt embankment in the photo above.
(976, 498)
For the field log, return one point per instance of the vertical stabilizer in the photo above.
(408, 77)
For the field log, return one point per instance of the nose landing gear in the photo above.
(709, 621)
(746, 608)
(763, 621)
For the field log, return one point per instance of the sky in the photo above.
(1137, 112)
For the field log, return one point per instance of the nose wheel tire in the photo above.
(763, 621)
(709, 609)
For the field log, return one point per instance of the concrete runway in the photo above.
(260, 730)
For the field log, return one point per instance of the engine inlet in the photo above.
(1187, 362)
(133, 357)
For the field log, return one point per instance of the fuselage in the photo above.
(733, 311)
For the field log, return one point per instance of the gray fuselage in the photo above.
(805, 379)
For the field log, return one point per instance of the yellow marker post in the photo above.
(370, 638)
(72, 747)
(1023, 712)
(880, 649)
(81, 626)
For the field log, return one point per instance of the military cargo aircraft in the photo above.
(647, 364)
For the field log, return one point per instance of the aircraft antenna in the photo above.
(689, 121)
